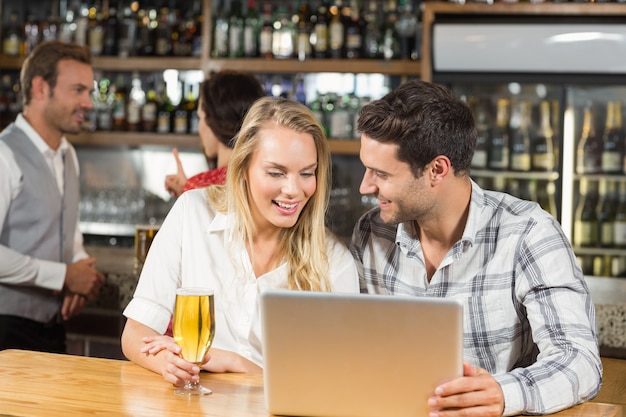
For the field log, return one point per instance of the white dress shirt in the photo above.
(17, 268)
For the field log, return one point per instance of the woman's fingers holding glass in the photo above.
(155, 344)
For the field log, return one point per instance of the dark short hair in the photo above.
(43, 62)
(425, 120)
(226, 97)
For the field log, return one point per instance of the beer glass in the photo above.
(193, 329)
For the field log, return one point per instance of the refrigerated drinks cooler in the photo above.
(547, 86)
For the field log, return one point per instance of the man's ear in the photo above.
(39, 88)
(439, 168)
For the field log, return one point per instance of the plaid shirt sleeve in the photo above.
(528, 317)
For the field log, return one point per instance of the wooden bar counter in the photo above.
(50, 385)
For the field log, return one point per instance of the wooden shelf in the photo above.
(256, 65)
(114, 138)
(356, 66)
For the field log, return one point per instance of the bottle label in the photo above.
(479, 160)
(583, 233)
(11, 46)
(619, 235)
(521, 162)
(606, 233)
(543, 161)
(321, 38)
(611, 162)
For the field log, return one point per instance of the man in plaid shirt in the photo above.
(530, 339)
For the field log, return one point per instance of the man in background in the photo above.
(45, 275)
(530, 339)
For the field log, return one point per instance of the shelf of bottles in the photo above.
(518, 143)
(599, 180)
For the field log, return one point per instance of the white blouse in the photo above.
(191, 250)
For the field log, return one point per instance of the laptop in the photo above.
(357, 355)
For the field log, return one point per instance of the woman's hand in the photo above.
(174, 183)
(176, 369)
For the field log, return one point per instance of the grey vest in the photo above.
(40, 223)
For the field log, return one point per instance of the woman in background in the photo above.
(225, 97)
(263, 229)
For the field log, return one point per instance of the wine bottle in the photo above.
(520, 144)
(543, 157)
(266, 34)
(136, 100)
(589, 149)
(546, 197)
(613, 139)
(619, 229)
(585, 219)
(220, 32)
(235, 30)
(499, 146)
(251, 30)
(606, 213)
(481, 115)
(336, 32)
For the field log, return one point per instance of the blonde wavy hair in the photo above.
(304, 245)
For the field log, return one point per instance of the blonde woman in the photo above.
(263, 229)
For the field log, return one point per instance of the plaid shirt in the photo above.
(528, 317)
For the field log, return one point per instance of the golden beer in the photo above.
(194, 322)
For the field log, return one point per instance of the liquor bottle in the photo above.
(499, 146)
(304, 48)
(543, 157)
(613, 139)
(119, 105)
(251, 31)
(319, 31)
(12, 37)
(150, 109)
(354, 32)
(82, 25)
(49, 28)
(606, 213)
(266, 36)
(95, 32)
(136, 100)
(589, 149)
(104, 105)
(220, 33)
(284, 35)
(31, 34)
(144, 42)
(390, 44)
(406, 26)
(165, 109)
(235, 30)
(336, 32)
(68, 26)
(586, 219)
(519, 137)
(127, 33)
(481, 151)
(181, 115)
(372, 39)
(163, 33)
(619, 229)
(111, 44)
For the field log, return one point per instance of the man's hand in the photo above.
(175, 183)
(476, 393)
(72, 305)
(82, 278)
